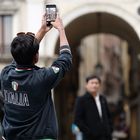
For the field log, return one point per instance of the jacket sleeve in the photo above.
(79, 118)
(1, 102)
(0, 81)
(59, 67)
(110, 122)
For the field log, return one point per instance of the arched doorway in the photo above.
(66, 92)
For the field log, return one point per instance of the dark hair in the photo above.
(23, 49)
(93, 77)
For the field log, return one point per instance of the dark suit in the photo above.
(88, 120)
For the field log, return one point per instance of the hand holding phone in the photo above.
(51, 13)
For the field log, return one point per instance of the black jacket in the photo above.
(88, 120)
(28, 105)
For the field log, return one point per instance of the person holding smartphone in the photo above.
(29, 112)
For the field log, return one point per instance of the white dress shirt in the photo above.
(98, 103)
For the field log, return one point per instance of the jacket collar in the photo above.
(88, 95)
(22, 68)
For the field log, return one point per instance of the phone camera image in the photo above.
(51, 12)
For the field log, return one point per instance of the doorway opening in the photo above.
(105, 44)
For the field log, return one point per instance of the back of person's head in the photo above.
(24, 47)
(93, 77)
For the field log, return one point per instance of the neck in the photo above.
(94, 94)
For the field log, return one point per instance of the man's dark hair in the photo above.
(23, 49)
(93, 77)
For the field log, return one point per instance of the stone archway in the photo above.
(76, 30)
(112, 9)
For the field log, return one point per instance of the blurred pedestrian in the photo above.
(76, 131)
(92, 115)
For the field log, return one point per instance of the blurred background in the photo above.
(104, 36)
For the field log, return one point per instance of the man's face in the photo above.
(93, 85)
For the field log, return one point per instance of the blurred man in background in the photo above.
(92, 115)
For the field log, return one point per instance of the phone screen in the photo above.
(51, 12)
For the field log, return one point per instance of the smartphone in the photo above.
(51, 13)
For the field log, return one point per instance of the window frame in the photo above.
(3, 42)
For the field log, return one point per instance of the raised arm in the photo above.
(59, 26)
(43, 29)
(64, 61)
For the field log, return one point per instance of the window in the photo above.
(5, 34)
